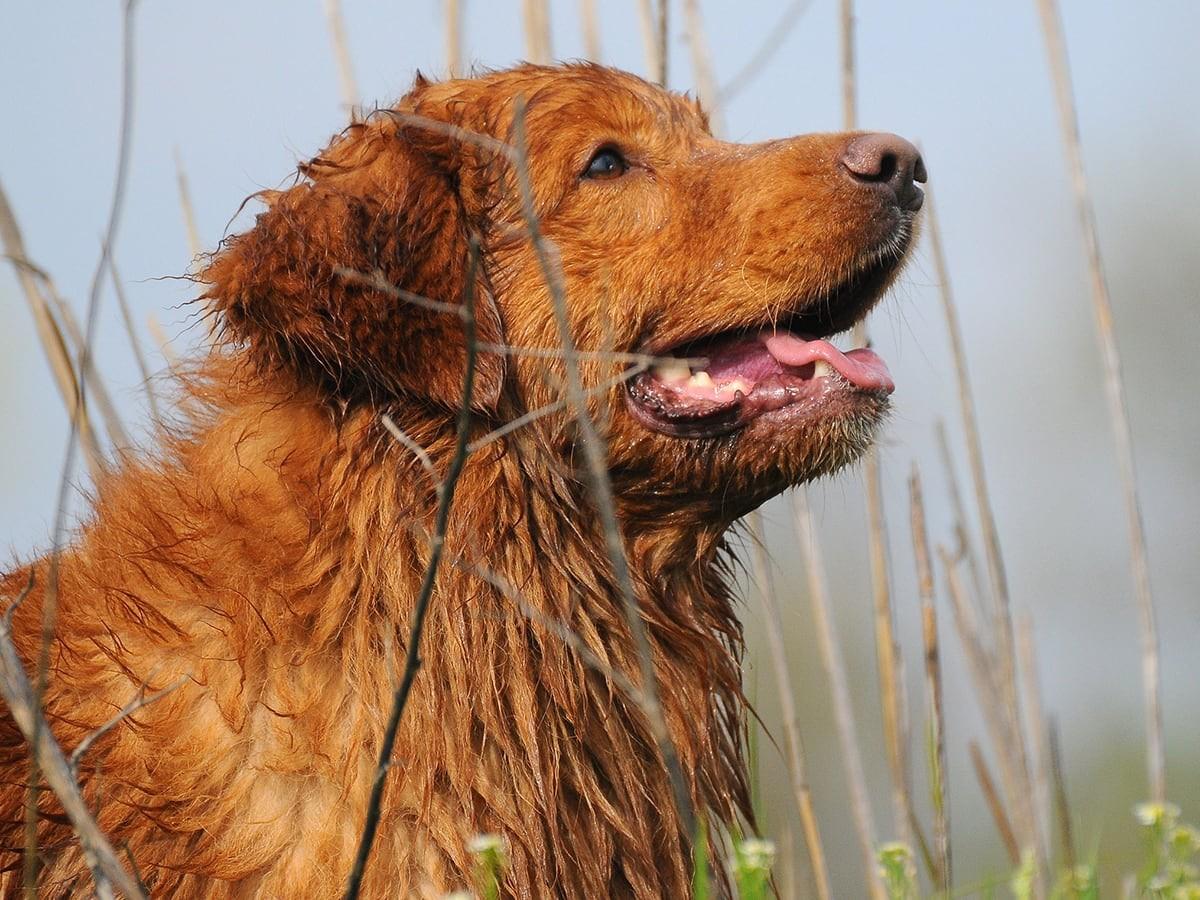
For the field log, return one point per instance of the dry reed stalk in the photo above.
(654, 61)
(556, 627)
(1001, 610)
(664, 12)
(135, 344)
(797, 767)
(185, 205)
(1036, 727)
(702, 67)
(1060, 792)
(1114, 390)
(113, 426)
(412, 653)
(595, 454)
(835, 670)
(26, 712)
(64, 317)
(1002, 730)
(995, 804)
(966, 547)
(453, 38)
(934, 697)
(53, 343)
(341, 54)
(591, 29)
(849, 78)
(887, 651)
(887, 654)
(163, 340)
(536, 17)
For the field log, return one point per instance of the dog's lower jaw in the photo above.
(714, 481)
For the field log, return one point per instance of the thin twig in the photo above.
(412, 658)
(536, 16)
(774, 40)
(797, 767)
(550, 408)
(595, 454)
(1115, 392)
(25, 710)
(591, 29)
(995, 804)
(939, 771)
(53, 343)
(185, 205)
(341, 53)
(74, 441)
(135, 345)
(702, 67)
(637, 359)
(377, 281)
(139, 701)
(835, 670)
(413, 447)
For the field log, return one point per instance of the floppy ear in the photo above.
(381, 202)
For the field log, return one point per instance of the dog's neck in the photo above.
(526, 629)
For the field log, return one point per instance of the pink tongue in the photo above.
(862, 368)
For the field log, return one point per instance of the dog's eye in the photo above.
(607, 163)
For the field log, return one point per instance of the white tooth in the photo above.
(737, 384)
(701, 379)
(672, 372)
(822, 368)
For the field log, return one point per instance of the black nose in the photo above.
(889, 161)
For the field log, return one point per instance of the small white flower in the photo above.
(487, 843)
(1153, 815)
(758, 854)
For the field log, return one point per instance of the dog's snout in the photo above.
(890, 162)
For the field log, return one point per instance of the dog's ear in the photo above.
(381, 203)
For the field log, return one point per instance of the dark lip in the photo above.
(819, 317)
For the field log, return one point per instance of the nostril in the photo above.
(887, 168)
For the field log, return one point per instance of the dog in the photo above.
(261, 563)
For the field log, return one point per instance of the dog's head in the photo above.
(708, 274)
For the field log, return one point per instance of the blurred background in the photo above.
(240, 93)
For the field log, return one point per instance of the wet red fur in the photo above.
(268, 550)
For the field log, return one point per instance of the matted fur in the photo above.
(268, 550)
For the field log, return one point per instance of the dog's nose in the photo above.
(889, 161)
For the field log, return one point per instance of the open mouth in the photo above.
(717, 384)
